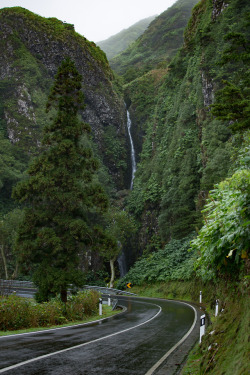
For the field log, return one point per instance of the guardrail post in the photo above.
(109, 301)
(202, 326)
(100, 306)
(216, 307)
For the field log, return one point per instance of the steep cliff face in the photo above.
(185, 149)
(32, 49)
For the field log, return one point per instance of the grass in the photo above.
(106, 312)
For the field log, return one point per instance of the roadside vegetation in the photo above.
(224, 348)
(20, 313)
(216, 262)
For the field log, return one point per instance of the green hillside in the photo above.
(191, 193)
(119, 42)
(158, 44)
(33, 48)
(183, 148)
(185, 225)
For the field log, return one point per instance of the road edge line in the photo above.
(5, 369)
(124, 309)
(159, 363)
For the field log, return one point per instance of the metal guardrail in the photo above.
(6, 284)
(106, 290)
(16, 284)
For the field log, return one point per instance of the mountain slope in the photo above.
(32, 49)
(119, 42)
(158, 44)
(183, 149)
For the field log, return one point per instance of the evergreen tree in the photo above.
(62, 198)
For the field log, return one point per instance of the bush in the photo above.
(83, 304)
(18, 313)
(174, 262)
(223, 241)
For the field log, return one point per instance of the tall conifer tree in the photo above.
(60, 193)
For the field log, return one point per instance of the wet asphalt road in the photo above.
(128, 343)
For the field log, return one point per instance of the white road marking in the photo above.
(157, 364)
(78, 346)
(64, 327)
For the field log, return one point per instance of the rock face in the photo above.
(32, 49)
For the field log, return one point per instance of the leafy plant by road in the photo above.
(223, 241)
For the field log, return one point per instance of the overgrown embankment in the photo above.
(225, 346)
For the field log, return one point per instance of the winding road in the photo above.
(136, 341)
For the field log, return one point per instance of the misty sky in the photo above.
(95, 19)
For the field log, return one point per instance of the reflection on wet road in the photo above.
(128, 343)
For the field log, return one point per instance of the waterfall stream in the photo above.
(122, 257)
(129, 123)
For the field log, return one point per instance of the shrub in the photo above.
(83, 304)
(174, 262)
(18, 313)
(223, 241)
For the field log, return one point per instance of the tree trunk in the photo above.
(14, 275)
(112, 268)
(63, 295)
(4, 262)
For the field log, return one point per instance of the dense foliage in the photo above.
(185, 146)
(223, 241)
(233, 100)
(8, 234)
(33, 48)
(63, 200)
(157, 45)
(174, 262)
(19, 313)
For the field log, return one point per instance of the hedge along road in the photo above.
(136, 341)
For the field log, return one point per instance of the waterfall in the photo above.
(129, 123)
(122, 264)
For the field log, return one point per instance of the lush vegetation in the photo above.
(184, 139)
(187, 218)
(224, 348)
(223, 241)
(61, 195)
(26, 78)
(174, 262)
(119, 42)
(157, 45)
(18, 313)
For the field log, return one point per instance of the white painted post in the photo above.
(100, 306)
(202, 326)
(109, 301)
(216, 307)
(200, 296)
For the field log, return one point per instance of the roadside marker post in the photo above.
(200, 296)
(202, 326)
(109, 303)
(100, 306)
(216, 307)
